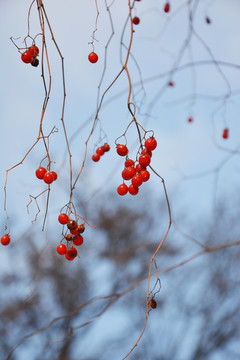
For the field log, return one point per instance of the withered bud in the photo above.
(68, 237)
(72, 224)
(81, 228)
(153, 303)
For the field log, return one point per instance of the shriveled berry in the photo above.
(122, 189)
(71, 253)
(144, 160)
(122, 150)
(5, 239)
(81, 228)
(129, 162)
(133, 190)
(61, 249)
(96, 157)
(72, 224)
(48, 178)
(152, 303)
(78, 240)
(151, 143)
(35, 62)
(40, 172)
(63, 218)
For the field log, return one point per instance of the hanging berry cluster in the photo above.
(100, 152)
(30, 56)
(136, 171)
(47, 176)
(72, 236)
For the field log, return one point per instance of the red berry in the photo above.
(145, 175)
(137, 180)
(78, 240)
(96, 157)
(74, 232)
(144, 160)
(190, 119)
(26, 57)
(100, 151)
(129, 162)
(122, 150)
(150, 143)
(167, 7)
(71, 253)
(122, 189)
(63, 218)
(61, 249)
(5, 239)
(171, 83)
(146, 151)
(54, 175)
(128, 173)
(106, 147)
(48, 178)
(140, 168)
(40, 172)
(133, 190)
(33, 50)
(136, 20)
(92, 57)
(225, 133)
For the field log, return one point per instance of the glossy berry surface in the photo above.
(48, 178)
(92, 57)
(54, 175)
(96, 157)
(33, 50)
(122, 189)
(151, 143)
(78, 240)
(139, 168)
(166, 7)
(63, 218)
(5, 239)
(129, 162)
(128, 173)
(26, 57)
(71, 253)
(61, 249)
(146, 151)
(136, 20)
(145, 175)
(106, 147)
(40, 172)
(137, 180)
(72, 225)
(122, 150)
(144, 160)
(81, 228)
(133, 190)
(100, 151)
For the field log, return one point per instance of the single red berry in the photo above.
(137, 180)
(48, 178)
(72, 224)
(96, 157)
(146, 151)
(54, 175)
(122, 189)
(74, 232)
(136, 20)
(145, 175)
(129, 162)
(225, 133)
(63, 218)
(5, 239)
(40, 172)
(190, 119)
(26, 57)
(122, 150)
(33, 50)
(129, 172)
(92, 57)
(166, 7)
(151, 143)
(144, 160)
(71, 253)
(133, 190)
(139, 168)
(100, 151)
(61, 249)
(78, 240)
(106, 147)
(171, 83)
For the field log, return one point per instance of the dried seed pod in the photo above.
(68, 237)
(152, 303)
(72, 224)
(81, 228)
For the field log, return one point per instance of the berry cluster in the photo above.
(30, 56)
(137, 174)
(5, 239)
(74, 237)
(47, 176)
(100, 152)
